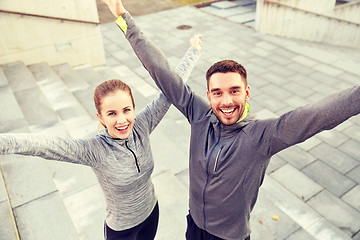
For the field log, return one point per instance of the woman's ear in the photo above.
(100, 119)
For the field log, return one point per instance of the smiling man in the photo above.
(230, 149)
(228, 91)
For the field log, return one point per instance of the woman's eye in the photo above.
(110, 114)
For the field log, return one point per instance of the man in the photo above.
(229, 149)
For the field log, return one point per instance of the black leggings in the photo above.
(144, 231)
(193, 232)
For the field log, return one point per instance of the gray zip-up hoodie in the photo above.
(122, 166)
(228, 162)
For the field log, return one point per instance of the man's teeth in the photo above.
(227, 111)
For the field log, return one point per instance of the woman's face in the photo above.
(117, 114)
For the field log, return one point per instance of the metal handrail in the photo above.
(49, 17)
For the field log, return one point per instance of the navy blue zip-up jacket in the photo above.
(228, 162)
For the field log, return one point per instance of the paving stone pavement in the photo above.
(314, 187)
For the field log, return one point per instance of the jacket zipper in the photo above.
(136, 161)
(217, 159)
(207, 176)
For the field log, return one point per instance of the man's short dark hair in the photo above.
(226, 66)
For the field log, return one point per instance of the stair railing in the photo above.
(49, 17)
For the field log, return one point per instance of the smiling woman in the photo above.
(120, 155)
(115, 106)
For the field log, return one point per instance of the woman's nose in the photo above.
(120, 119)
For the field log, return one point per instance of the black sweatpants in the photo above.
(193, 232)
(144, 231)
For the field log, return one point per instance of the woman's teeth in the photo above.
(121, 128)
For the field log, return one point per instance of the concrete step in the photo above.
(69, 192)
(12, 118)
(8, 227)
(86, 96)
(28, 182)
(71, 78)
(67, 108)
(81, 82)
(3, 79)
(31, 100)
(239, 11)
(90, 75)
(74, 182)
(37, 205)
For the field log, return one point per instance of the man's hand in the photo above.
(196, 42)
(116, 7)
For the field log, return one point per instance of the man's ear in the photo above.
(247, 91)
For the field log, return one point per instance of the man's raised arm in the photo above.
(153, 59)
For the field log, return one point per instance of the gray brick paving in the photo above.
(329, 178)
(299, 235)
(337, 212)
(354, 174)
(353, 197)
(351, 148)
(334, 158)
(333, 138)
(297, 157)
(295, 101)
(298, 183)
(300, 68)
(353, 132)
(263, 224)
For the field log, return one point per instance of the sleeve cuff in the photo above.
(122, 24)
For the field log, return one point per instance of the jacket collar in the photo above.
(104, 134)
(230, 128)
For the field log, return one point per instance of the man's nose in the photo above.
(227, 99)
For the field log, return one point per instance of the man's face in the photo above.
(228, 95)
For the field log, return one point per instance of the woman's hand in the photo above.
(196, 42)
(115, 6)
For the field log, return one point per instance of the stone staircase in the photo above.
(238, 11)
(45, 199)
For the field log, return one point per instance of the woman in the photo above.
(120, 154)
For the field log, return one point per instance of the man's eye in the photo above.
(217, 93)
(127, 110)
(110, 114)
